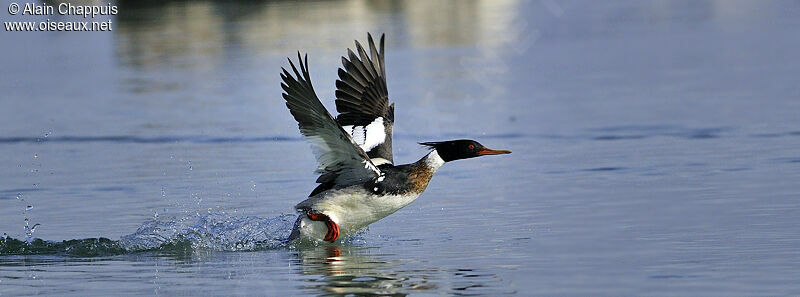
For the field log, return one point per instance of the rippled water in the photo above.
(655, 150)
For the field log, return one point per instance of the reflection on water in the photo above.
(353, 270)
(183, 42)
(346, 269)
(349, 267)
(157, 32)
(329, 269)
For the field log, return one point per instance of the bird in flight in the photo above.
(359, 182)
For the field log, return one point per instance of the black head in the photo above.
(461, 149)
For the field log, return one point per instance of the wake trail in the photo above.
(212, 231)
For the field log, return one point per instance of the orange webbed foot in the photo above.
(333, 228)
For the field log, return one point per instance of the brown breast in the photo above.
(419, 177)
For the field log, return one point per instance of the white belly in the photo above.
(351, 209)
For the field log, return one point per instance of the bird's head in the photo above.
(461, 149)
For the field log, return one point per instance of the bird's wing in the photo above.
(339, 159)
(363, 101)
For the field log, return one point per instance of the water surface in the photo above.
(655, 150)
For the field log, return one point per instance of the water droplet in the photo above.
(196, 196)
(29, 231)
(35, 156)
(19, 196)
(29, 207)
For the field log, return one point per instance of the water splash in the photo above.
(214, 231)
(29, 230)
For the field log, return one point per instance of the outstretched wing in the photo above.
(363, 101)
(339, 159)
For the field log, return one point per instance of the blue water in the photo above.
(655, 150)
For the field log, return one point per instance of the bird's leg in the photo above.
(333, 228)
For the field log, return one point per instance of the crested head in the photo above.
(461, 149)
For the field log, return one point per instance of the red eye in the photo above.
(472, 147)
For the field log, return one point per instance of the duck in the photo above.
(358, 181)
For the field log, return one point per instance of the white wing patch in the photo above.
(369, 136)
(379, 161)
(327, 156)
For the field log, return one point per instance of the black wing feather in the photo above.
(340, 160)
(362, 96)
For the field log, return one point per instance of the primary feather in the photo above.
(339, 158)
(362, 101)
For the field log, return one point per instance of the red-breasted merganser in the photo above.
(358, 183)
